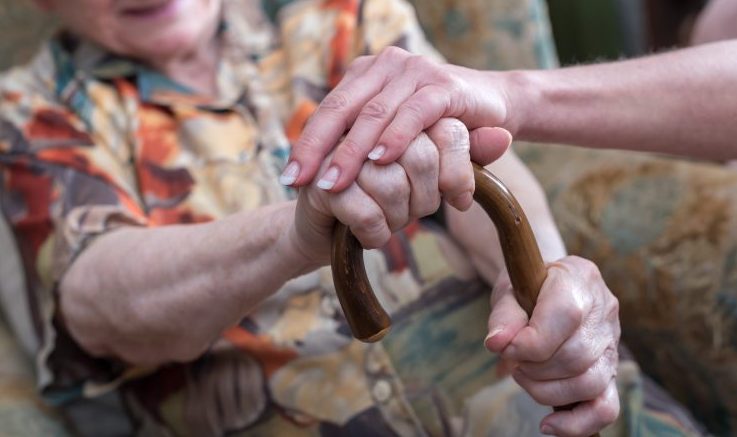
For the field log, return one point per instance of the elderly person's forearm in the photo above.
(151, 296)
(163, 294)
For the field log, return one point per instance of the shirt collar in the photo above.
(246, 38)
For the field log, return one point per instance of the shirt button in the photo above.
(373, 364)
(382, 391)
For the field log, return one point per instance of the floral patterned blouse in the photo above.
(90, 143)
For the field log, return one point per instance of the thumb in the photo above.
(507, 316)
(488, 144)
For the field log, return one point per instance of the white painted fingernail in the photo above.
(328, 180)
(377, 153)
(290, 174)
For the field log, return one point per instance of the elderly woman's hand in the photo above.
(384, 198)
(566, 355)
(386, 101)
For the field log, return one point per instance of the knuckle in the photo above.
(417, 62)
(374, 110)
(588, 269)
(453, 84)
(612, 314)
(425, 162)
(370, 239)
(457, 133)
(611, 357)
(456, 181)
(308, 143)
(593, 385)
(573, 313)
(393, 53)
(395, 137)
(360, 63)
(452, 132)
(349, 148)
(388, 183)
(427, 207)
(414, 113)
(544, 395)
(337, 101)
(578, 358)
(400, 188)
(369, 221)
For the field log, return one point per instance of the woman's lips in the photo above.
(151, 9)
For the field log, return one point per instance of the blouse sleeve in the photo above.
(59, 190)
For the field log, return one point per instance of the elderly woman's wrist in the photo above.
(303, 254)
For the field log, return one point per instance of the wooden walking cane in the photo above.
(369, 322)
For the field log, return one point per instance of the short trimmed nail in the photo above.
(329, 178)
(546, 429)
(290, 174)
(491, 335)
(377, 153)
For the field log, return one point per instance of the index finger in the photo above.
(558, 314)
(337, 111)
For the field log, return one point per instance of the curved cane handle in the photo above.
(368, 320)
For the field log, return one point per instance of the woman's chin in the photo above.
(177, 37)
(161, 46)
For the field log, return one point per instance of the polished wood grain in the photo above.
(368, 320)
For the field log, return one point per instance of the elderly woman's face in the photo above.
(146, 29)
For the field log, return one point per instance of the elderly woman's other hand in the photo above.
(566, 354)
(384, 198)
(386, 101)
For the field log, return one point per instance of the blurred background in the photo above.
(584, 30)
(588, 30)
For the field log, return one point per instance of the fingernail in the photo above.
(377, 153)
(546, 429)
(491, 335)
(290, 174)
(329, 178)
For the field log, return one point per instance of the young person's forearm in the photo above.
(679, 102)
(159, 294)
